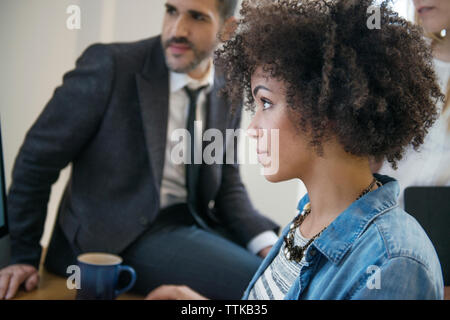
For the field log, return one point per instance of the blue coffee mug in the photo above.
(99, 275)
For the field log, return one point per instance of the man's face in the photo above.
(189, 34)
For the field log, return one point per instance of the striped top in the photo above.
(278, 278)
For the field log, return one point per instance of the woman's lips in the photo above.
(179, 48)
(424, 10)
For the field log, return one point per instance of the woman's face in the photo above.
(282, 149)
(434, 15)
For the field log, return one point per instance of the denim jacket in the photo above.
(372, 250)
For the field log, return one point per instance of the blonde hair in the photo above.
(436, 37)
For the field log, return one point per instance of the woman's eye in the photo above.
(266, 104)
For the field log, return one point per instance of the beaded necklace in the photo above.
(293, 252)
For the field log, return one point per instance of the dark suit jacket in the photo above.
(109, 119)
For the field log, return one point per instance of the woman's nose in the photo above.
(253, 130)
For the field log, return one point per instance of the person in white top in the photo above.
(430, 165)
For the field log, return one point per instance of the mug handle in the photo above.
(132, 281)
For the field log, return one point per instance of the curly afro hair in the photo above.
(374, 90)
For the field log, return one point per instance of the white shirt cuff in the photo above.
(261, 241)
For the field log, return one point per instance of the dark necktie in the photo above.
(192, 169)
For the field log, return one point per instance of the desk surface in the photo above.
(53, 287)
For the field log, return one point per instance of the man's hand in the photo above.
(170, 292)
(13, 276)
(263, 253)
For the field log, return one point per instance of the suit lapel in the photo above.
(153, 91)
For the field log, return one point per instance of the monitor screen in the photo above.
(2, 193)
(5, 245)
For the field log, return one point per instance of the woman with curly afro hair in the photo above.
(339, 91)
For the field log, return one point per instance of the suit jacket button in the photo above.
(143, 221)
(211, 204)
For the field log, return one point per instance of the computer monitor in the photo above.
(5, 247)
(431, 207)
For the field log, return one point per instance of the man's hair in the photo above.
(373, 90)
(227, 8)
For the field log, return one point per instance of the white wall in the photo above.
(37, 49)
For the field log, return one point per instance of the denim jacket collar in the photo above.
(338, 238)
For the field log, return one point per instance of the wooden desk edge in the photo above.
(53, 287)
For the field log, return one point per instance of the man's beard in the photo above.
(199, 56)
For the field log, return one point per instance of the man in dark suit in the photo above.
(112, 119)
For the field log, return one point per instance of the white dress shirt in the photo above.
(173, 185)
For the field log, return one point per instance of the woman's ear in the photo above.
(228, 29)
